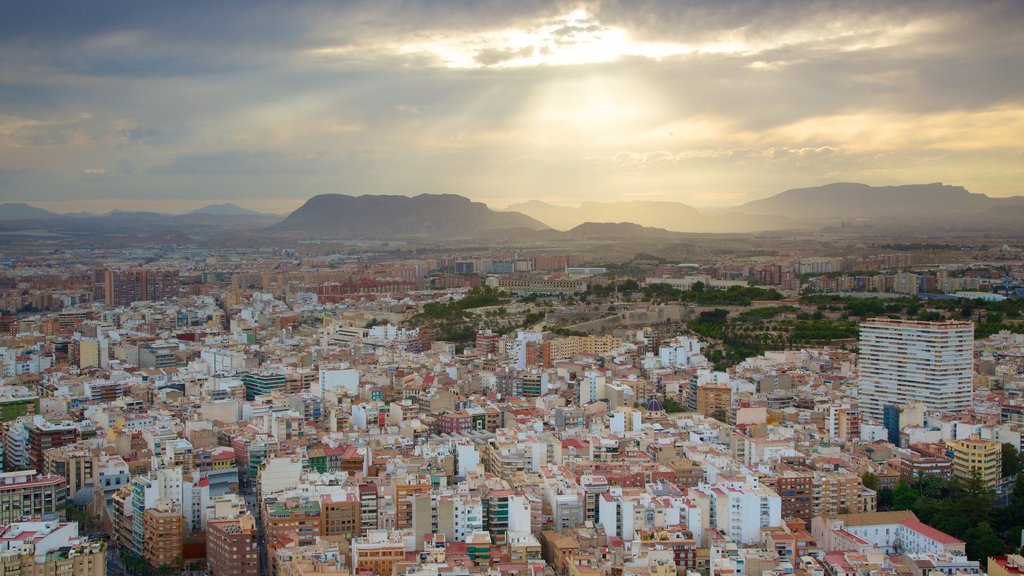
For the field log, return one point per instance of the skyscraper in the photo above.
(905, 360)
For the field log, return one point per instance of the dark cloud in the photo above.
(493, 56)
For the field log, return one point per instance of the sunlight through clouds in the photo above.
(583, 100)
(573, 39)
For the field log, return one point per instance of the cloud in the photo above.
(507, 99)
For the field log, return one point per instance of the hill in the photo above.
(227, 209)
(22, 211)
(372, 216)
(668, 215)
(617, 231)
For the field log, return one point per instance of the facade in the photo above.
(232, 547)
(261, 384)
(122, 287)
(341, 516)
(976, 456)
(714, 399)
(902, 361)
(79, 466)
(542, 286)
(43, 435)
(897, 532)
(741, 511)
(38, 548)
(296, 517)
(378, 552)
(795, 489)
(164, 532)
(25, 494)
(405, 490)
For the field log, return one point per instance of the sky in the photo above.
(175, 105)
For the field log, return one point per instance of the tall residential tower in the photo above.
(905, 360)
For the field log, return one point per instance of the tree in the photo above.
(904, 497)
(933, 486)
(134, 563)
(671, 406)
(885, 499)
(1011, 460)
(869, 480)
(982, 542)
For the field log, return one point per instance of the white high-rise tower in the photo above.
(905, 360)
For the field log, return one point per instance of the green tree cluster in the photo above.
(966, 510)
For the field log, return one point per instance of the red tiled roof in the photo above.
(929, 532)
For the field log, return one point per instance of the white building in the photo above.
(741, 510)
(343, 382)
(469, 516)
(682, 352)
(901, 361)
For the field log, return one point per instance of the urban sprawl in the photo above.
(367, 409)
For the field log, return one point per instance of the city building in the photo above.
(50, 548)
(25, 494)
(122, 287)
(164, 533)
(232, 547)
(1012, 565)
(902, 361)
(976, 457)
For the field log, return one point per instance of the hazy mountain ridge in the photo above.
(22, 211)
(149, 226)
(803, 208)
(380, 216)
(226, 209)
(666, 215)
(830, 207)
(657, 214)
(912, 204)
(622, 230)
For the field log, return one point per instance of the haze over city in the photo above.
(169, 106)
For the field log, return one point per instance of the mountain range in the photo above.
(802, 208)
(447, 216)
(917, 203)
(674, 216)
(22, 211)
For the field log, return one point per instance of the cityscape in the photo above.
(512, 289)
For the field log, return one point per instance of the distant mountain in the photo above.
(668, 215)
(426, 215)
(844, 201)
(671, 216)
(22, 211)
(617, 231)
(225, 210)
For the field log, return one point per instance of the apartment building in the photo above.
(232, 547)
(902, 361)
(25, 494)
(976, 456)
